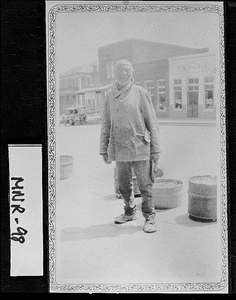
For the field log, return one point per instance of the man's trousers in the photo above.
(142, 171)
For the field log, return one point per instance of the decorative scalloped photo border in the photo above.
(51, 73)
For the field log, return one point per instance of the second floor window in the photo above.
(209, 92)
(88, 80)
(110, 68)
(83, 80)
(76, 81)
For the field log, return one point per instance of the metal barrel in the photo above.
(202, 198)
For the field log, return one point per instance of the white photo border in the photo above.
(51, 102)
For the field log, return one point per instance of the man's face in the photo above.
(123, 74)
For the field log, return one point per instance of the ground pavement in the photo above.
(92, 249)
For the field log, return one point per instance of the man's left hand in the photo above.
(158, 170)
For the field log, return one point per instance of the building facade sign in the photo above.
(193, 67)
(193, 87)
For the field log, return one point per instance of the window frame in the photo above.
(110, 70)
(178, 83)
(209, 83)
(83, 81)
(161, 93)
(152, 95)
(90, 80)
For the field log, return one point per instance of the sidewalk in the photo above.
(92, 249)
(96, 250)
(186, 122)
(168, 121)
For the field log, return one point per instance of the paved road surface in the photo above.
(92, 249)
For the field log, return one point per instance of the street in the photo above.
(92, 249)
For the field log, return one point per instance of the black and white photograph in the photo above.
(137, 179)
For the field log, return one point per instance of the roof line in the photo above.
(145, 41)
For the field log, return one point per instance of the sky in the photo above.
(80, 34)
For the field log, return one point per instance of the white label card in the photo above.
(26, 219)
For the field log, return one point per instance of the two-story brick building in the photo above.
(182, 81)
(153, 63)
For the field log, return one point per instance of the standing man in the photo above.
(130, 137)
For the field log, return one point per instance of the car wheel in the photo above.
(69, 122)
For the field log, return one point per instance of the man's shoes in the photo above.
(125, 218)
(150, 226)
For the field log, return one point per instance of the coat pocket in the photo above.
(147, 136)
(141, 146)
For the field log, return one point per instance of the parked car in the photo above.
(74, 115)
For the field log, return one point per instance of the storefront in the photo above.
(193, 86)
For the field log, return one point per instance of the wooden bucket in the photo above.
(202, 198)
(167, 193)
(66, 166)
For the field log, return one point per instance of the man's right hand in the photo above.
(105, 159)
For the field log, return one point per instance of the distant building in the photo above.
(137, 51)
(170, 89)
(72, 81)
(194, 86)
(181, 80)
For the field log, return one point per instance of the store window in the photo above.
(149, 85)
(178, 93)
(161, 93)
(209, 92)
